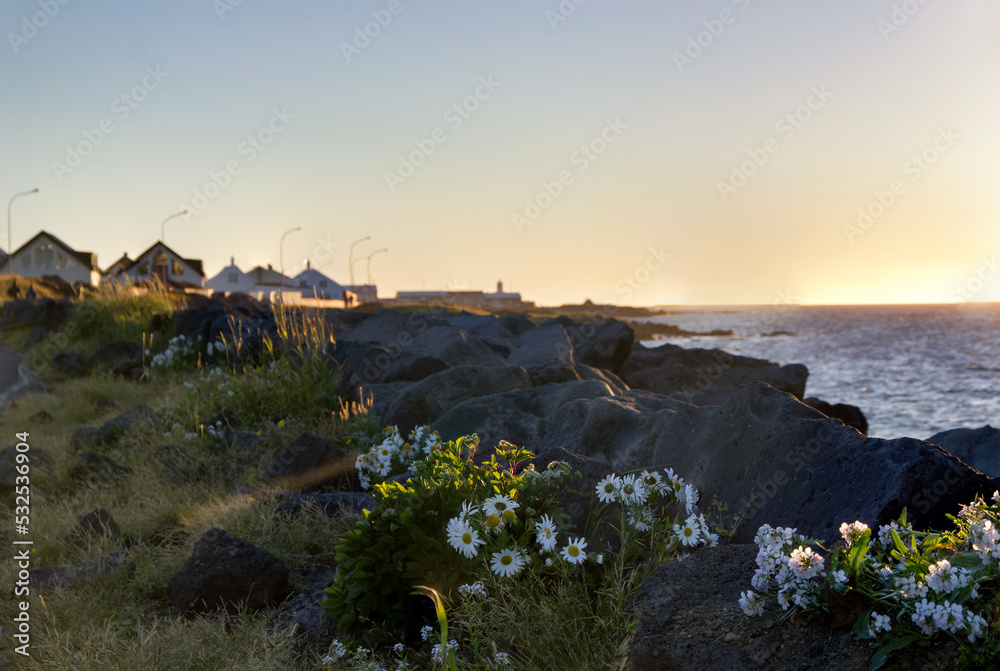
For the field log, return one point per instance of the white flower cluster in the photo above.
(931, 617)
(217, 347)
(180, 350)
(473, 589)
(438, 653)
(885, 533)
(395, 455)
(493, 515)
(785, 564)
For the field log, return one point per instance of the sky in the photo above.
(633, 152)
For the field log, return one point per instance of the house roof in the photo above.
(195, 264)
(117, 266)
(266, 276)
(88, 259)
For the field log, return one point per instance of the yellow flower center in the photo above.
(466, 538)
(506, 560)
(688, 531)
(500, 505)
(509, 515)
(492, 521)
(574, 551)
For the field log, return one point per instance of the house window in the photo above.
(43, 256)
(233, 278)
(160, 264)
(61, 262)
(177, 268)
(143, 268)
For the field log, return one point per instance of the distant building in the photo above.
(161, 263)
(45, 254)
(500, 300)
(314, 284)
(355, 294)
(113, 272)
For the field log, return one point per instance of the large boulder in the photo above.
(766, 454)
(504, 330)
(851, 415)
(669, 369)
(979, 448)
(304, 617)
(603, 343)
(409, 404)
(225, 572)
(520, 416)
(49, 313)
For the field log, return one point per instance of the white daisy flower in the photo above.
(506, 563)
(463, 537)
(688, 534)
(499, 504)
(545, 533)
(632, 490)
(607, 489)
(574, 551)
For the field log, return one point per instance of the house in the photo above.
(161, 263)
(502, 300)
(45, 254)
(258, 282)
(314, 284)
(112, 272)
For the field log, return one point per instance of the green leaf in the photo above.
(969, 560)
(862, 628)
(881, 655)
(898, 542)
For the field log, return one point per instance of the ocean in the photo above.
(913, 370)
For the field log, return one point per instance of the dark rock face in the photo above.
(850, 415)
(98, 523)
(310, 458)
(803, 469)
(225, 572)
(709, 576)
(608, 347)
(669, 369)
(97, 466)
(413, 404)
(121, 358)
(304, 616)
(333, 504)
(49, 313)
(37, 457)
(979, 448)
(520, 416)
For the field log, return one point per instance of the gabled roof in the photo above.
(117, 266)
(195, 264)
(268, 276)
(88, 259)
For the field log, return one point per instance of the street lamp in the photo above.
(175, 214)
(10, 251)
(350, 257)
(281, 253)
(370, 263)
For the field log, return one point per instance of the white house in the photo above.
(166, 265)
(258, 282)
(113, 272)
(45, 254)
(314, 284)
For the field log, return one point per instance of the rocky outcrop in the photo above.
(88, 437)
(96, 524)
(706, 377)
(97, 466)
(304, 617)
(312, 460)
(979, 448)
(49, 313)
(333, 504)
(763, 450)
(225, 572)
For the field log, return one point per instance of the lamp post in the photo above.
(175, 214)
(350, 257)
(281, 253)
(10, 250)
(379, 251)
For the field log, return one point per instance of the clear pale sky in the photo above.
(895, 101)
